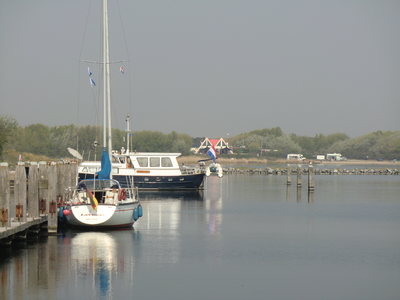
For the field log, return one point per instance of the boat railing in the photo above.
(75, 195)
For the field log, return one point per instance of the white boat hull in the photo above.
(106, 216)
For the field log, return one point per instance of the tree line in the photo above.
(53, 142)
(274, 142)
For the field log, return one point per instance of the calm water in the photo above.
(245, 237)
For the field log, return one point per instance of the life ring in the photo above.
(121, 194)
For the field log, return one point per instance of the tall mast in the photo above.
(106, 83)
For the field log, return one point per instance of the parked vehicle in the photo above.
(295, 157)
(335, 156)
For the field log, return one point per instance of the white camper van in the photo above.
(334, 156)
(295, 157)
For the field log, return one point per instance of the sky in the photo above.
(206, 68)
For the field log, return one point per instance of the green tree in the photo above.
(254, 147)
(7, 125)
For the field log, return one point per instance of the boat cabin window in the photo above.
(142, 161)
(154, 162)
(166, 162)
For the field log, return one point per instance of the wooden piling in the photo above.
(5, 218)
(33, 187)
(20, 199)
(299, 171)
(43, 188)
(289, 180)
(310, 178)
(47, 181)
(52, 196)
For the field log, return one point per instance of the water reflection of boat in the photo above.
(101, 256)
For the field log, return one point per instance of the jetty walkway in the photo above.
(30, 196)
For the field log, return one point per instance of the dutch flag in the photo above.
(122, 70)
(212, 153)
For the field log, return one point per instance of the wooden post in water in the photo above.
(63, 178)
(5, 220)
(20, 200)
(299, 171)
(310, 178)
(52, 196)
(43, 188)
(289, 180)
(60, 180)
(33, 194)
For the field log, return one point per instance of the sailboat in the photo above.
(101, 202)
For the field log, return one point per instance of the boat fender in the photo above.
(121, 194)
(135, 214)
(66, 212)
(140, 211)
(60, 213)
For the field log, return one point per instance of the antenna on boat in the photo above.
(127, 133)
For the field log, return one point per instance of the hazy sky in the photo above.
(206, 68)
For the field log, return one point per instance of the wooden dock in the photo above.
(30, 197)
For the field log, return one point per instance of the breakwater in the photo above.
(316, 171)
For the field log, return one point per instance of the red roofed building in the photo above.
(220, 146)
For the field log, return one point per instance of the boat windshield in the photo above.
(96, 184)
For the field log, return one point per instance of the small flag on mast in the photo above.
(89, 71)
(122, 70)
(92, 82)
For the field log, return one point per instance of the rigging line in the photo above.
(79, 65)
(129, 60)
(123, 31)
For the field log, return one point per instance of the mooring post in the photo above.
(299, 171)
(52, 196)
(310, 178)
(74, 174)
(33, 191)
(5, 220)
(20, 192)
(289, 180)
(60, 180)
(43, 188)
